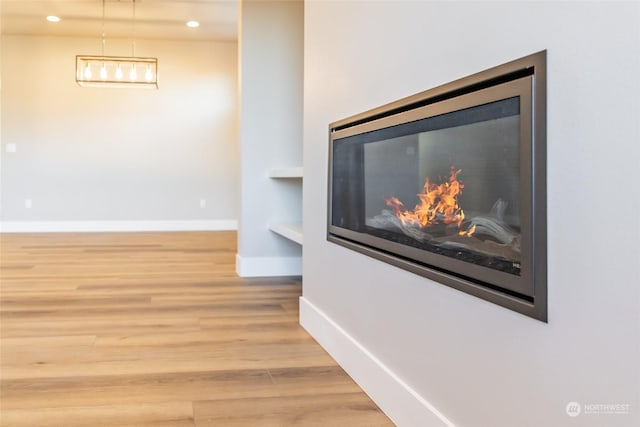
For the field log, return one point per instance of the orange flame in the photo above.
(469, 232)
(438, 203)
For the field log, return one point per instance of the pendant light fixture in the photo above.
(117, 71)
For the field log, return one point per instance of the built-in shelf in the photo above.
(290, 230)
(295, 172)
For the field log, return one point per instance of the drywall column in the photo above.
(271, 72)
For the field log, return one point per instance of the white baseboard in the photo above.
(400, 402)
(115, 226)
(268, 266)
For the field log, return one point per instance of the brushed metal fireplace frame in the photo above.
(526, 294)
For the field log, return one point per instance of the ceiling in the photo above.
(154, 19)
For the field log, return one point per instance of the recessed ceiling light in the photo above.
(193, 24)
(53, 18)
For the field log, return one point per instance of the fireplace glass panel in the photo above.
(443, 190)
(450, 187)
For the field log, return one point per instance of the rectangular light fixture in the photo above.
(117, 71)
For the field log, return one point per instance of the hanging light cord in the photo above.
(133, 27)
(103, 33)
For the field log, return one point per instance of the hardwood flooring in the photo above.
(156, 329)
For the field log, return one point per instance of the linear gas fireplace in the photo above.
(451, 184)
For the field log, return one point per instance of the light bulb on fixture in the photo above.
(87, 72)
(149, 74)
(133, 74)
(118, 72)
(103, 72)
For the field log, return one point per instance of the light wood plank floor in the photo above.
(156, 329)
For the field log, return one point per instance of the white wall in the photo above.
(271, 73)
(119, 156)
(428, 354)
